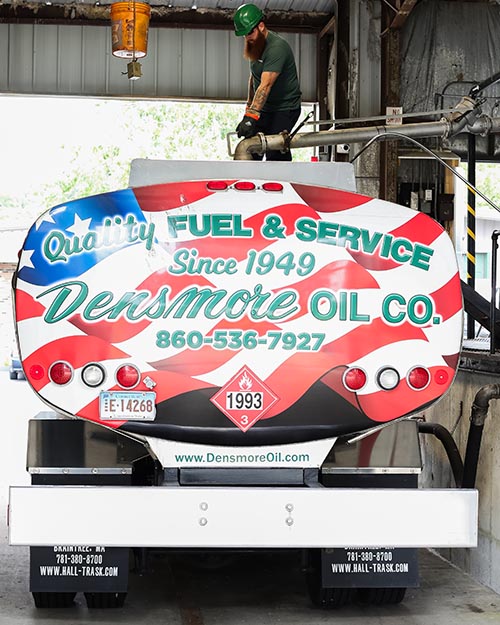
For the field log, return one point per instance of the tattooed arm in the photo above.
(267, 80)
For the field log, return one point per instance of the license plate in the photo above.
(127, 406)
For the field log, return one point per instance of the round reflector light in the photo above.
(60, 373)
(93, 375)
(418, 378)
(36, 372)
(243, 185)
(441, 376)
(388, 378)
(272, 186)
(127, 376)
(354, 379)
(217, 185)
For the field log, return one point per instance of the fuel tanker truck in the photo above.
(233, 357)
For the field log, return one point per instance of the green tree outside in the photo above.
(146, 129)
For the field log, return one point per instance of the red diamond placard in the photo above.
(244, 399)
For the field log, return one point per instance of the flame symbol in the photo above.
(245, 383)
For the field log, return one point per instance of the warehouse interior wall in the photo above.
(77, 60)
(438, 69)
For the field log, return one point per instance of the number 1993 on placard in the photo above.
(244, 400)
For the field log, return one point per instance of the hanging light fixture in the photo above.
(129, 33)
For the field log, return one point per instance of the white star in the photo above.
(80, 227)
(25, 260)
(45, 217)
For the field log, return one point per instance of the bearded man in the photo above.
(274, 96)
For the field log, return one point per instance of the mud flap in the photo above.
(369, 568)
(79, 569)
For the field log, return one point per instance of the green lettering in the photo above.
(56, 312)
(349, 235)
(53, 246)
(370, 243)
(305, 229)
(398, 256)
(421, 256)
(386, 311)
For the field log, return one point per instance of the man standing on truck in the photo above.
(273, 102)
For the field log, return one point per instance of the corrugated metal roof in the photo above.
(313, 6)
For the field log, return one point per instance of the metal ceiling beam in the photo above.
(161, 16)
(403, 11)
(390, 96)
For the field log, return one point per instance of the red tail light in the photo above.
(127, 376)
(418, 378)
(217, 185)
(244, 186)
(60, 373)
(272, 186)
(441, 376)
(354, 379)
(36, 372)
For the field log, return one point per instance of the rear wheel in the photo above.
(53, 599)
(331, 598)
(105, 600)
(381, 596)
(321, 597)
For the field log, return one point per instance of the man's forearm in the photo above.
(250, 92)
(260, 98)
(262, 92)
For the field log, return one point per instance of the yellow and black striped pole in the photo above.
(471, 224)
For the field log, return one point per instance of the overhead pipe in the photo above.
(479, 412)
(471, 121)
(282, 142)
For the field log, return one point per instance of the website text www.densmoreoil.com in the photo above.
(242, 458)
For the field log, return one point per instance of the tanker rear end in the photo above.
(244, 334)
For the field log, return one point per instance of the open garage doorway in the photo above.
(57, 149)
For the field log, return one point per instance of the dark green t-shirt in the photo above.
(278, 57)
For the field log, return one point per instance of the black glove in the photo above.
(247, 126)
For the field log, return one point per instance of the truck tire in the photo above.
(381, 596)
(53, 599)
(331, 598)
(321, 597)
(105, 600)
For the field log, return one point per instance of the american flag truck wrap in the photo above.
(238, 326)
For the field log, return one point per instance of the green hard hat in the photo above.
(246, 18)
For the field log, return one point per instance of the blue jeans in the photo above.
(272, 124)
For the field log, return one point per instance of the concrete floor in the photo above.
(252, 589)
